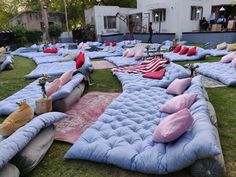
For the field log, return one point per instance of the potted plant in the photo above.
(43, 104)
(192, 68)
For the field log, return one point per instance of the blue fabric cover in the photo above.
(102, 54)
(6, 62)
(201, 53)
(51, 69)
(21, 50)
(223, 72)
(32, 92)
(123, 61)
(13, 144)
(216, 53)
(33, 54)
(122, 135)
(135, 81)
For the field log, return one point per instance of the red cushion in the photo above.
(192, 51)
(177, 49)
(155, 75)
(52, 50)
(113, 44)
(80, 60)
(184, 51)
(107, 43)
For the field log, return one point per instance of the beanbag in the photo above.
(17, 119)
(179, 102)
(192, 51)
(80, 60)
(228, 58)
(231, 47)
(184, 51)
(178, 86)
(221, 46)
(52, 50)
(173, 126)
(177, 49)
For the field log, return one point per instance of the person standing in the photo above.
(150, 32)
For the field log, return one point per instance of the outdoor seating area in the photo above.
(118, 88)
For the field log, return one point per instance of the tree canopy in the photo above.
(75, 8)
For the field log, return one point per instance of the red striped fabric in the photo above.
(150, 65)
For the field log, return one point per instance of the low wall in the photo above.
(204, 37)
(156, 38)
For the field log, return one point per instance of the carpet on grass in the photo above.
(82, 114)
(211, 83)
(102, 65)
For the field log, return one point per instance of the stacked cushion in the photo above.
(221, 46)
(50, 50)
(138, 55)
(178, 86)
(192, 51)
(66, 77)
(228, 58)
(231, 47)
(177, 49)
(184, 51)
(80, 60)
(54, 86)
(234, 62)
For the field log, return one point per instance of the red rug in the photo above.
(102, 65)
(82, 114)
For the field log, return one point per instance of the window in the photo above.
(159, 15)
(110, 22)
(196, 12)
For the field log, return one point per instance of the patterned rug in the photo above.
(211, 83)
(102, 64)
(82, 114)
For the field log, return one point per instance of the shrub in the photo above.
(34, 36)
(19, 31)
(54, 31)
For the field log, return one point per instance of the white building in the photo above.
(168, 16)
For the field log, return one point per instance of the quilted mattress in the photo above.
(123, 61)
(122, 135)
(32, 92)
(101, 54)
(51, 69)
(223, 72)
(216, 53)
(201, 53)
(135, 81)
(33, 54)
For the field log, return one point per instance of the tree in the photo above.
(54, 32)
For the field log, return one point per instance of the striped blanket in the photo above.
(150, 65)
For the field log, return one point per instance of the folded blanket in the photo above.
(155, 75)
(150, 65)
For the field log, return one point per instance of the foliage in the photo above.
(20, 32)
(33, 36)
(54, 31)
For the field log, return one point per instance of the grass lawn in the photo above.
(54, 165)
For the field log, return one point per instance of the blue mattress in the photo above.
(223, 72)
(216, 53)
(32, 92)
(201, 53)
(122, 135)
(46, 59)
(123, 61)
(135, 81)
(33, 54)
(10, 146)
(51, 69)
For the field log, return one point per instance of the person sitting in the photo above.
(204, 25)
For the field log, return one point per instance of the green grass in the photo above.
(53, 164)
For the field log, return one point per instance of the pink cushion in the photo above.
(130, 53)
(66, 77)
(173, 126)
(155, 75)
(139, 55)
(125, 52)
(179, 102)
(54, 86)
(228, 58)
(234, 62)
(178, 86)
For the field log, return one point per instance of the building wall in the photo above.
(31, 20)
